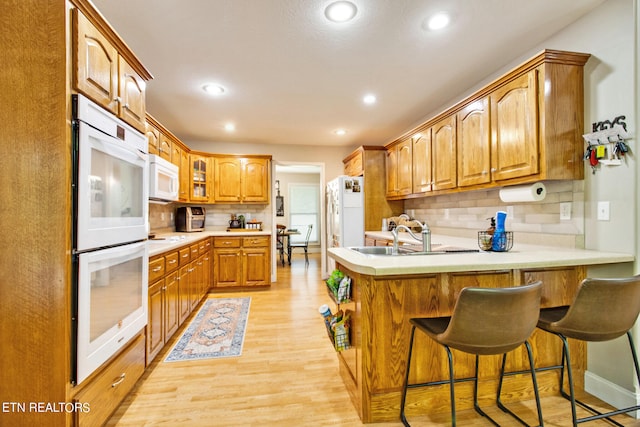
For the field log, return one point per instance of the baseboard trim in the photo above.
(611, 393)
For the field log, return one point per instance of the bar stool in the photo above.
(602, 310)
(485, 321)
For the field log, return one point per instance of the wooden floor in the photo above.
(287, 374)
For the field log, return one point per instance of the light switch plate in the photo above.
(510, 212)
(603, 211)
(565, 211)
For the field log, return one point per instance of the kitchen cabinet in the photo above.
(399, 163)
(241, 261)
(369, 162)
(524, 127)
(200, 176)
(101, 72)
(241, 179)
(514, 121)
(421, 162)
(443, 154)
(474, 144)
(163, 303)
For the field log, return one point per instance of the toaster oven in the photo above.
(190, 218)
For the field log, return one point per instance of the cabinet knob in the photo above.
(493, 169)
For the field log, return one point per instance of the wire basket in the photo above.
(486, 241)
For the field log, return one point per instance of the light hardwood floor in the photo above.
(287, 374)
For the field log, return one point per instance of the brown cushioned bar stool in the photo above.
(485, 321)
(602, 310)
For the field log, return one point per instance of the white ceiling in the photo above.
(292, 77)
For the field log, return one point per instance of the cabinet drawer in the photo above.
(254, 242)
(185, 256)
(227, 242)
(202, 247)
(194, 251)
(106, 391)
(156, 269)
(171, 261)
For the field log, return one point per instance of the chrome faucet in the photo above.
(425, 237)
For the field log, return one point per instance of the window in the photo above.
(304, 209)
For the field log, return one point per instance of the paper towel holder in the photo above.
(535, 192)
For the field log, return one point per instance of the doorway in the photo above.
(298, 194)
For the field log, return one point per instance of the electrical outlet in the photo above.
(565, 211)
(603, 211)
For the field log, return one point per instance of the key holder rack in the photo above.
(606, 144)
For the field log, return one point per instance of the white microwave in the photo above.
(164, 180)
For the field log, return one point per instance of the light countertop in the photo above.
(168, 241)
(520, 256)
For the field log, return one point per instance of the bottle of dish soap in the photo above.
(499, 241)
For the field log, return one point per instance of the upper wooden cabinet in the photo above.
(421, 162)
(399, 166)
(241, 179)
(353, 164)
(200, 175)
(443, 154)
(474, 144)
(514, 120)
(524, 127)
(101, 72)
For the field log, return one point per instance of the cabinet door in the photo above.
(474, 144)
(227, 178)
(255, 180)
(185, 183)
(155, 324)
(171, 305)
(183, 293)
(391, 167)
(165, 147)
(206, 274)
(194, 282)
(153, 139)
(199, 180)
(514, 124)
(131, 94)
(405, 161)
(96, 67)
(227, 267)
(256, 267)
(176, 154)
(421, 167)
(443, 152)
(354, 167)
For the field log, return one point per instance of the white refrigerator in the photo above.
(345, 214)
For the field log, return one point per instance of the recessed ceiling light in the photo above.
(340, 11)
(340, 132)
(369, 99)
(229, 127)
(213, 89)
(438, 21)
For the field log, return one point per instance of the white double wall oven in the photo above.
(110, 259)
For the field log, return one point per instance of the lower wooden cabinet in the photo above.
(241, 261)
(179, 280)
(109, 387)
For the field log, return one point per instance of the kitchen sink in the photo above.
(388, 250)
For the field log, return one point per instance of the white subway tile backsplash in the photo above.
(534, 222)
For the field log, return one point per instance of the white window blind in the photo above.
(304, 210)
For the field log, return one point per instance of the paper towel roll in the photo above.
(524, 193)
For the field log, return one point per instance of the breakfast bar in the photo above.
(388, 290)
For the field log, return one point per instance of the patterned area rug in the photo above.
(216, 331)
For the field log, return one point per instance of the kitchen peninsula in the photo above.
(389, 290)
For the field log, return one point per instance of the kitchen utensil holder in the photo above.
(485, 241)
(339, 332)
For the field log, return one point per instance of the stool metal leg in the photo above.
(403, 418)
(452, 394)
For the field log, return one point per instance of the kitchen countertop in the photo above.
(520, 256)
(167, 241)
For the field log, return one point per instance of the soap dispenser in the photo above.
(499, 241)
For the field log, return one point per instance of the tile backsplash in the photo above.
(463, 214)
(162, 217)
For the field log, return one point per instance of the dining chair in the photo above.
(304, 245)
(280, 241)
(485, 321)
(602, 310)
